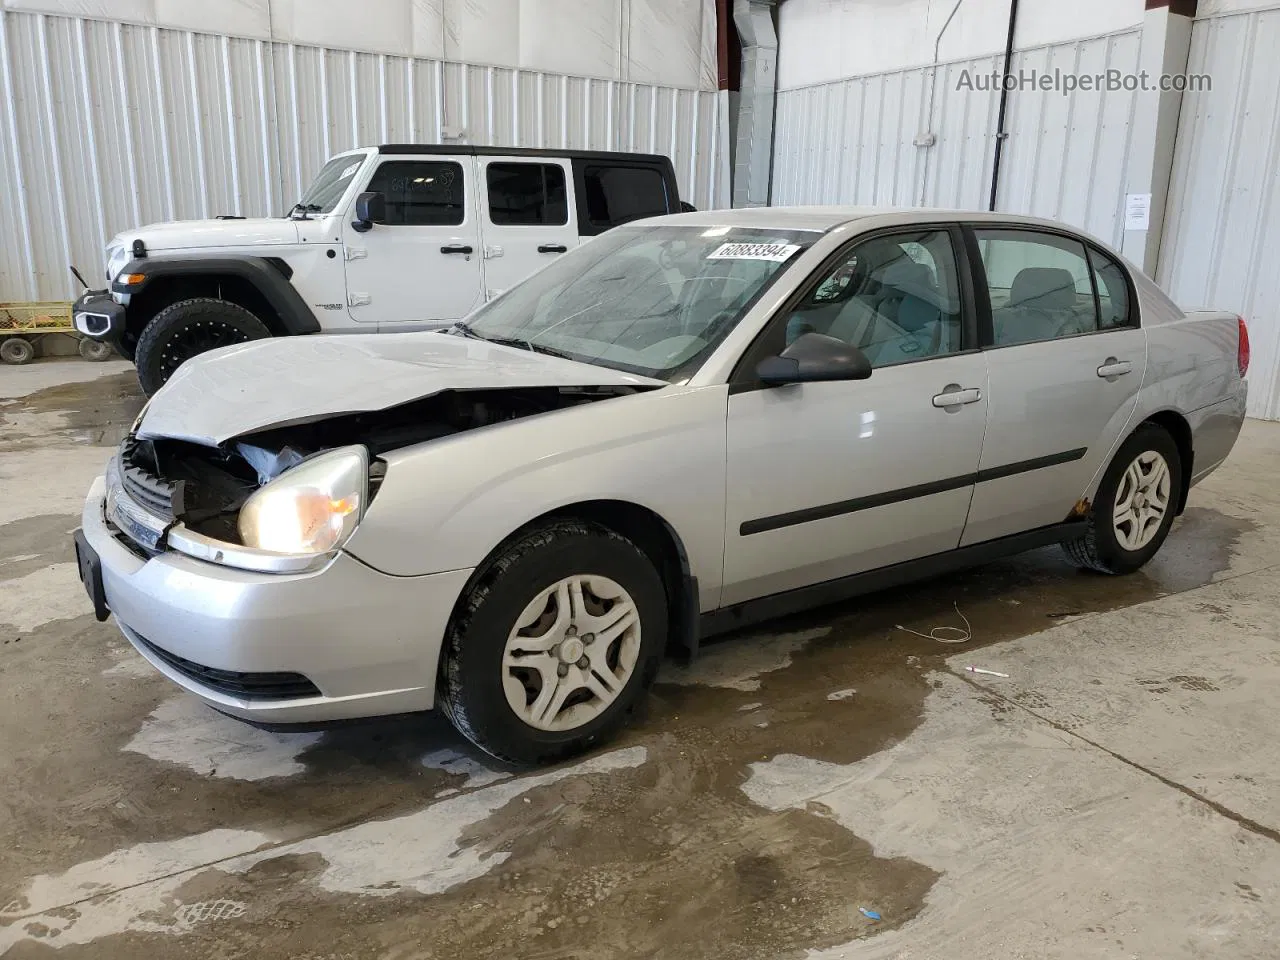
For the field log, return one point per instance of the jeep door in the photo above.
(420, 267)
(527, 217)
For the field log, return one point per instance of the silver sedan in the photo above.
(685, 426)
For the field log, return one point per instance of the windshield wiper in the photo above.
(464, 330)
(304, 209)
(530, 346)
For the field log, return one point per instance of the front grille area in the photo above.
(140, 481)
(247, 686)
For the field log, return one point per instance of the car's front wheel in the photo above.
(554, 644)
(1135, 506)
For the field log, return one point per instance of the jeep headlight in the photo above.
(311, 509)
(117, 259)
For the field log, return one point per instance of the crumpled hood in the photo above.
(186, 234)
(273, 383)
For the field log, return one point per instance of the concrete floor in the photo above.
(1117, 797)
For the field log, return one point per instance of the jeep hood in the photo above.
(264, 384)
(187, 234)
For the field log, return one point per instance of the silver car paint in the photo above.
(265, 383)
(663, 450)
(1047, 399)
(803, 446)
(369, 641)
(445, 504)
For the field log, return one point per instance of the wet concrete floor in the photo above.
(795, 774)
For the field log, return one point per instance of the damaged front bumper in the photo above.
(337, 643)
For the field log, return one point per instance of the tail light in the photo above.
(1242, 352)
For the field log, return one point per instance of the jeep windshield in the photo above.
(649, 300)
(329, 185)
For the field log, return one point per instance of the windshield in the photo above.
(330, 184)
(649, 300)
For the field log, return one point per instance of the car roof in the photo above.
(826, 218)
(472, 150)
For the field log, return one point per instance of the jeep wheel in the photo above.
(187, 329)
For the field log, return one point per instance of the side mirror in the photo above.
(815, 358)
(371, 208)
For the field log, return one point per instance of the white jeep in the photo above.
(396, 237)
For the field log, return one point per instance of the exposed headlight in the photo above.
(311, 509)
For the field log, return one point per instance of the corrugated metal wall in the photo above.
(104, 126)
(1222, 229)
(852, 141)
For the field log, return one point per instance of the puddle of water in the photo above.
(135, 889)
(184, 731)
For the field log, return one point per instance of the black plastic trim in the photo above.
(1026, 466)
(247, 686)
(690, 612)
(827, 511)
(834, 591)
(289, 307)
(286, 271)
(99, 302)
(472, 150)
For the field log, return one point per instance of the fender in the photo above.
(295, 316)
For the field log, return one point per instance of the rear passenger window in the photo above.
(527, 194)
(420, 192)
(895, 298)
(616, 195)
(1040, 284)
(1113, 292)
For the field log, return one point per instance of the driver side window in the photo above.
(894, 297)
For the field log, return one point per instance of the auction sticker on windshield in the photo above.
(776, 252)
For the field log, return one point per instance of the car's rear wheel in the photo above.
(1135, 506)
(187, 329)
(553, 646)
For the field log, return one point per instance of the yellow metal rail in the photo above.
(51, 317)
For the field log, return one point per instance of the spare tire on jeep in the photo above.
(187, 328)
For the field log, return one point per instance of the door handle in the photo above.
(1113, 368)
(458, 248)
(552, 248)
(954, 395)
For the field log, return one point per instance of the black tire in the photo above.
(17, 350)
(1099, 549)
(187, 329)
(95, 351)
(471, 689)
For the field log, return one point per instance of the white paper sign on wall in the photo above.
(1137, 211)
